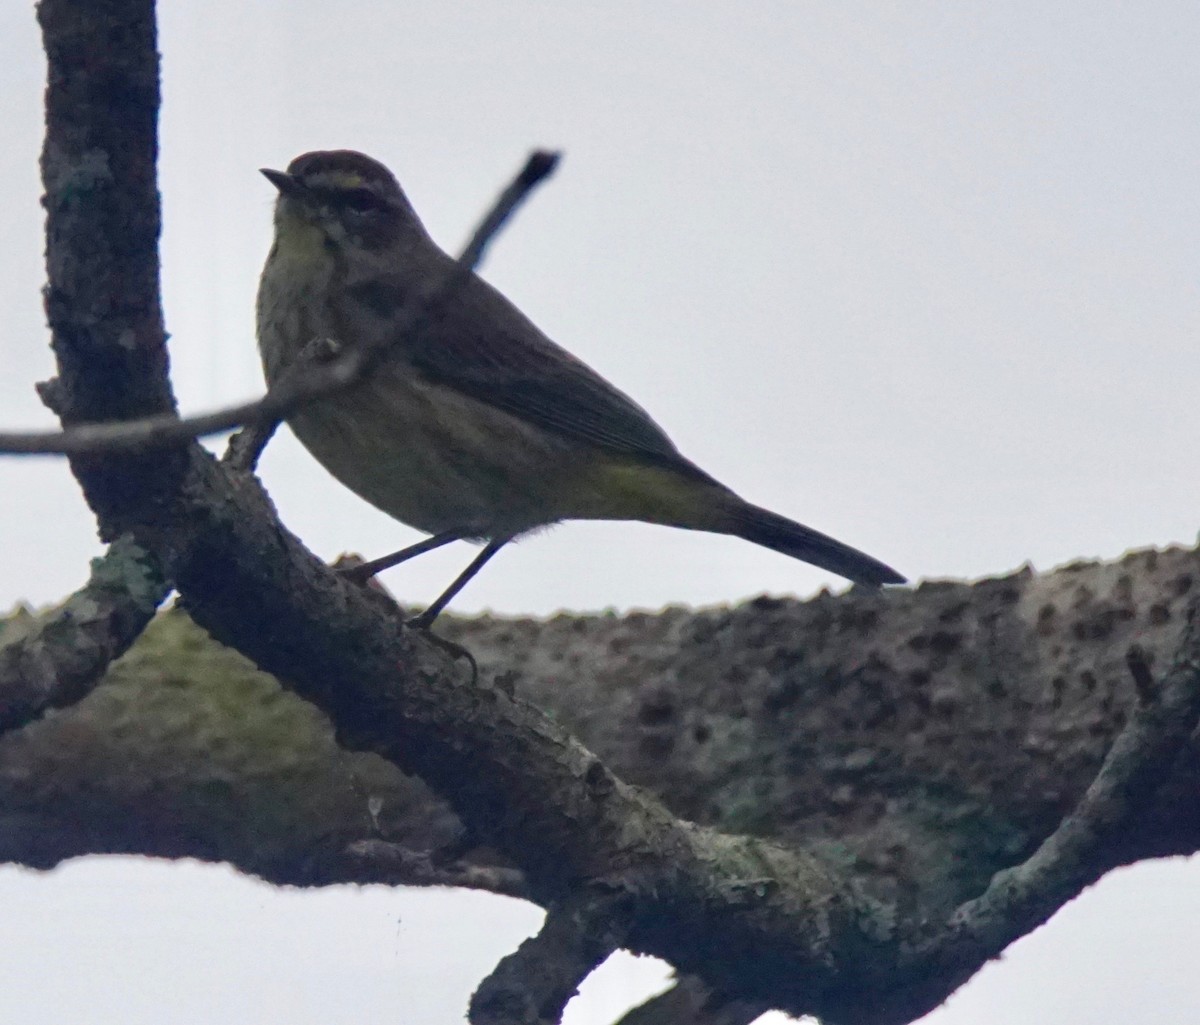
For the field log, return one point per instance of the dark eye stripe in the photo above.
(360, 200)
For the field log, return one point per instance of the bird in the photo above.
(477, 427)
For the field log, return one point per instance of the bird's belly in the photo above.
(441, 461)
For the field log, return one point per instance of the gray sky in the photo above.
(921, 275)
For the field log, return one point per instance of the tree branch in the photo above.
(66, 652)
(690, 1002)
(1078, 852)
(532, 985)
(377, 861)
(749, 718)
(102, 226)
(797, 926)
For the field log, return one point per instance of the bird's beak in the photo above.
(287, 184)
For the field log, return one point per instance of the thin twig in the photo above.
(246, 446)
(538, 168)
(291, 392)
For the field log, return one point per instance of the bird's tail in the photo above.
(681, 495)
(800, 542)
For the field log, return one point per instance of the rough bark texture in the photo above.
(99, 168)
(927, 739)
(825, 787)
(59, 657)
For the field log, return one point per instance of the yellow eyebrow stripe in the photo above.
(338, 180)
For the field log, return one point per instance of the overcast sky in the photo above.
(922, 275)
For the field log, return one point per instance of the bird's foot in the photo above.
(423, 622)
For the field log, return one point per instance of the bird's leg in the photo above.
(426, 618)
(454, 651)
(363, 572)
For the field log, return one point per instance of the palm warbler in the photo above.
(481, 428)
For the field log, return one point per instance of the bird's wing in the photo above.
(482, 345)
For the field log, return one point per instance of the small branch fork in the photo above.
(1019, 899)
(66, 653)
(532, 985)
(1086, 844)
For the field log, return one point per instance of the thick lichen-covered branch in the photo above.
(56, 658)
(711, 709)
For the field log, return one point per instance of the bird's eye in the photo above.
(361, 200)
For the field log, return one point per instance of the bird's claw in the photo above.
(454, 650)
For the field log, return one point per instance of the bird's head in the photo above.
(341, 199)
